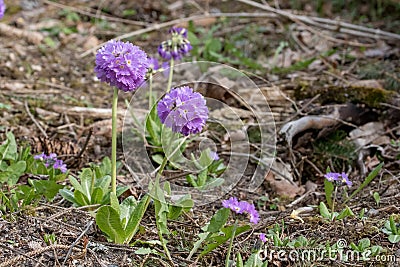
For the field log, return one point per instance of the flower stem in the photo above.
(231, 244)
(171, 71)
(150, 91)
(333, 204)
(114, 142)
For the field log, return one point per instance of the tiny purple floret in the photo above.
(240, 207)
(2, 9)
(263, 238)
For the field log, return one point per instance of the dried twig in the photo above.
(88, 225)
(30, 36)
(328, 24)
(34, 120)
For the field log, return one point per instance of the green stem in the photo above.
(333, 204)
(114, 142)
(150, 91)
(171, 71)
(231, 244)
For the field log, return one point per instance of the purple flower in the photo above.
(233, 204)
(240, 207)
(177, 46)
(338, 177)
(214, 155)
(178, 31)
(2, 9)
(332, 176)
(345, 180)
(40, 156)
(52, 161)
(120, 64)
(263, 238)
(183, 110)
(59, 164)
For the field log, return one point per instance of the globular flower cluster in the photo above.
(121, 64)
(52, 161)
(183, 110)
(177, 46)
(338, 177)
(2, 9)
(241, 207)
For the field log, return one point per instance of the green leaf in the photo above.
(191, 179)
(392, 225)
(363, 244)
(86, 177)
(239, 260)
(14, 172)
(218, 220)
(216, 241)
(81, 199)
(323, 210)
(367, 180)
(202, 177)
(345, 213)
(8, 150)
(328, 187)
(377, 198)
(47, 188)
(146, 251)
(75, 184)
(126, 209)
(158, 158)
(394, 238)
(197, 244)
(114, 203)
(108, 221)
(136, 217)
(97, 196)
(68, 195)
(103, 183)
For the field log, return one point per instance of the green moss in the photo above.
(341, 94)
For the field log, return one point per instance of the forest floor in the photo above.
(342, 81)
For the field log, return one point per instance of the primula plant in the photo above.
(215, 233)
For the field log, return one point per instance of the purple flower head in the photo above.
(120, 64)
(332, 176)
(40, 156)
(233, 204)
(177, 46)
(52, 161)
(178, 31)
(345, 180)
(183, 110)
(2, 9)
(214, 155)
(263, 238)
(240, 207)
(59, 164)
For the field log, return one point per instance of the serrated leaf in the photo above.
(108, 221)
